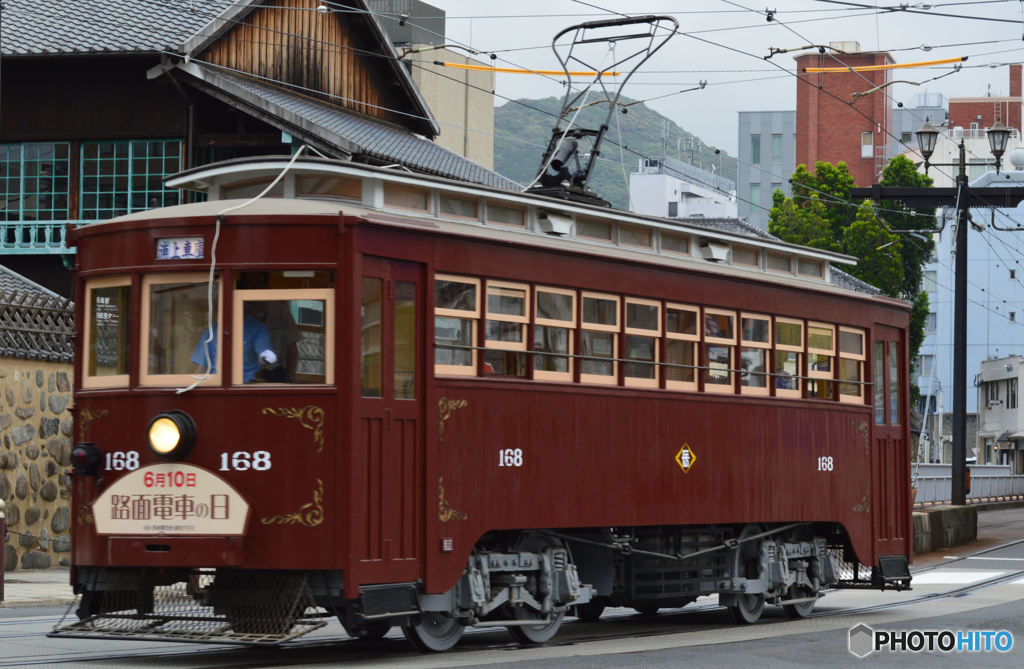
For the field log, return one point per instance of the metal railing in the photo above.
(989, 483)
(36, 237)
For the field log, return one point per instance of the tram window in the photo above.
(851, 365)
(329, 187)
(675, 243)
(298, 323)
(820, 360)
(505, 328)
(107, 333)
(747, 256)
(371, 337)
(599, 338)
(879, 383)
(777, 262)
(720, 338)
(643, 328)
(594, 229)
(807, 267)
(251, 188)
(405, 197)
(894, 383)
(174, 323)
(789, 347)
(513, 217)
(681, 346)
(456, 311)
(554, 321)
(755, 340)
(636, 237)
(405, 341)
(458, 207)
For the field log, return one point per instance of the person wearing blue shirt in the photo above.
(256, 350)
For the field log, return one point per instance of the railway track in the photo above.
(333, 645)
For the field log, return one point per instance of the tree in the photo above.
(880, 261)
(918, 248)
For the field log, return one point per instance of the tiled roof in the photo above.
(35, 323)
(41, 27)
(351, 132)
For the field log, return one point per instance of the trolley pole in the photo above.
(963, 198)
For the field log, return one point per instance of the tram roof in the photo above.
(547, 221)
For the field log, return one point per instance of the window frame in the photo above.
(570, 325)
(813, 374)
(766, 346)
(797, 392)
(238, 299)
(720, 388)
(861, 359)
(471, 315)
(694, 340)
(396, 188)
(167, 380)
(602, 379)
(113, 380)
(655, 334)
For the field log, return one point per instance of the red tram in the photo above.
(480, 408)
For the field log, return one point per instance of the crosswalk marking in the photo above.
(951, 576)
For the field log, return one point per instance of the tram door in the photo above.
(890, 467)
(388, 455)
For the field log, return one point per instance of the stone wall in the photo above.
(35, 428)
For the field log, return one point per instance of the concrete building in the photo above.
(674, 189)
(838, 116)
(766, 161)
(1001, 416)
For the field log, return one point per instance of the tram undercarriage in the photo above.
(526, 582)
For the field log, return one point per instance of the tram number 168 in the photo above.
(825, 464)
(241, 461)
(510, 457)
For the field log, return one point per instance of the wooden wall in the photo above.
(332, 57)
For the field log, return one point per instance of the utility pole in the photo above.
(963, 198)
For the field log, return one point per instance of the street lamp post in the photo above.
(963, 198)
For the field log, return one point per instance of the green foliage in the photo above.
(803, 223)
(917, 248)
(918, 318)
(878, 250)
(522, 129)
(831, 184)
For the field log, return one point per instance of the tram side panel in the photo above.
(526, 455)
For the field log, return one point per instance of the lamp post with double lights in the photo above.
(963, 198)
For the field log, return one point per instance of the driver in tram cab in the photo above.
(256, 348)
(284, 333)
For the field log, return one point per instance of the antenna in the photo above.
(564, 170)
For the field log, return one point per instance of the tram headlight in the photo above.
(172, 434)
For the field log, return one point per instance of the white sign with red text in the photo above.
(171, 498)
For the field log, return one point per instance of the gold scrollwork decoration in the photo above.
(310, 417)
(445, 512)
(446, 408)
(309, 514)
(85, 516)
(84, 418)
(862, 427)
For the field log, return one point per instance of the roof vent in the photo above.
(714, 251)
(554, 224)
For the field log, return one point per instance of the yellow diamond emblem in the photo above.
(685, 458)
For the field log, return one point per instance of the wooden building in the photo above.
(100, 103)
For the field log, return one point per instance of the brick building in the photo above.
(833, 123)
(976, 114)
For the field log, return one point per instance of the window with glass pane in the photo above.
(789, 346)
(776, 149)
(127, 176)
(879, 383)
(675, 243)
(894, 383)
(405, 197)
(682, 335)
(755, 338)
(371, 351)
(108, 335)
(719, 365)
(680, 362)
(554, 319)
(600, 311)
(755, 149)
(598, 341)
(746, 255)
(405, 341)
(34, 182)
(643, 327)
(642, 316)
(776, 262)
(820, 352)
(642, 349)
(501, 215)
(456, 310)
(681, 321)
(596, 345)
(178, 339)
(630, 236)
(851, 364)
(505, 329)
(718, 325)
(457, 207)
(594, 230)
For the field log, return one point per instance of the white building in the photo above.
(1001, 418)
(674, 189)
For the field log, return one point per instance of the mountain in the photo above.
(522, 129)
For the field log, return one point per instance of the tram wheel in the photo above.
(435, 631)
(802, 609)
(371, 631)
(589, 612)
(748, 609)
(545, 629)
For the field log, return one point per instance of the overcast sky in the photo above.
(725, 44)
